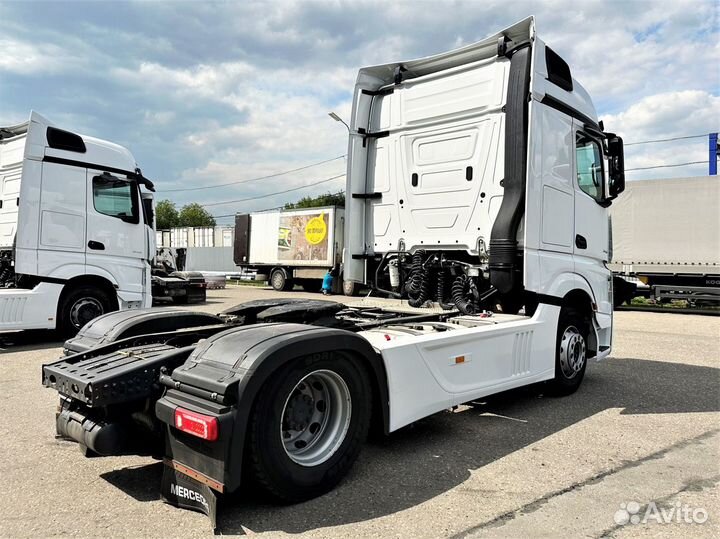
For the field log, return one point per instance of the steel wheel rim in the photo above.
(573, 352)
(277, 280)
(84, 310)
(315, 418)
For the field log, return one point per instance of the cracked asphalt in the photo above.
(640, 440)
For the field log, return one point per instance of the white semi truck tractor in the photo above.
(76, 228)
(478, 185)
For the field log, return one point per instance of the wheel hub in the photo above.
(572, 352)
(316, 418)
(84, 310)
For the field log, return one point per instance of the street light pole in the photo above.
(338, 119)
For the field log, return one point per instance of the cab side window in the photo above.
(116, 198)
(589, 165)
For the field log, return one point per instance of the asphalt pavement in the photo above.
(634, 453)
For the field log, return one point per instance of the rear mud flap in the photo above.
(183, 491)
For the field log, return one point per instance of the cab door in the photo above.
(591, 241)
(116, 240)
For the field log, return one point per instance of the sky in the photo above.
(209, 93)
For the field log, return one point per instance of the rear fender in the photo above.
(119, 325)
(236, 364)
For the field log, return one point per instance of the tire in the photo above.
(350, 288)
(180, 300)
(286, 458)
(82, 304)
(570, 352)
(279, 281)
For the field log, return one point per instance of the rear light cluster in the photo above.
(202, 426)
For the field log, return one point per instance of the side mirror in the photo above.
(616, 165)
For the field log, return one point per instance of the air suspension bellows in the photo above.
(465, 295)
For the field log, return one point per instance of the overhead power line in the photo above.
(273, 194)
(274, 175)
(667, 166)
(664, 140)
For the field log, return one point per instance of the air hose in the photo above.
(441, 291)
(418, 285)
(465, 294)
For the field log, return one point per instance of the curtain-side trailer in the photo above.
(493, 174)
(666, 234)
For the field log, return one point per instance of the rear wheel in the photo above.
(571, 352)
(350, 288)
(307, 426)
(81, 305)
(279, 281)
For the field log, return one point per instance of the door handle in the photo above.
(96, 245)
(580, 242)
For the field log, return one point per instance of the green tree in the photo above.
(166, 215)
(328, 199)
(194, 214)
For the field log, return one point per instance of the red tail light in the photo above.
(202, 426)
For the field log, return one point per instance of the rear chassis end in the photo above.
(127, 373)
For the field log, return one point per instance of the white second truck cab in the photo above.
(76, 233)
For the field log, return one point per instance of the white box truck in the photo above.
(666, 234)
(485, 167)
(76, 231)
(290, 246)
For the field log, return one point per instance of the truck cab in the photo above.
(76, 239)
(484, 168)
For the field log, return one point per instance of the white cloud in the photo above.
(218, 92)
(24, 58)
(663, 116)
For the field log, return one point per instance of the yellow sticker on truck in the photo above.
(315, 230)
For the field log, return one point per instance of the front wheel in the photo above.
(571, 352)
(350, 288)
(307, 426)
(81, 305)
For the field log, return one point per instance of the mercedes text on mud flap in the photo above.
(479, 182)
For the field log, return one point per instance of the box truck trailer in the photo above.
(485, 167)
(289, 247)
(666, 234)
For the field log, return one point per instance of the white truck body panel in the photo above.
(421, 168)
(667, 226)
(432, 372)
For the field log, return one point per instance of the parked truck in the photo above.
(290, 246)
(666, 234)
(76, 236)
(484, 167)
